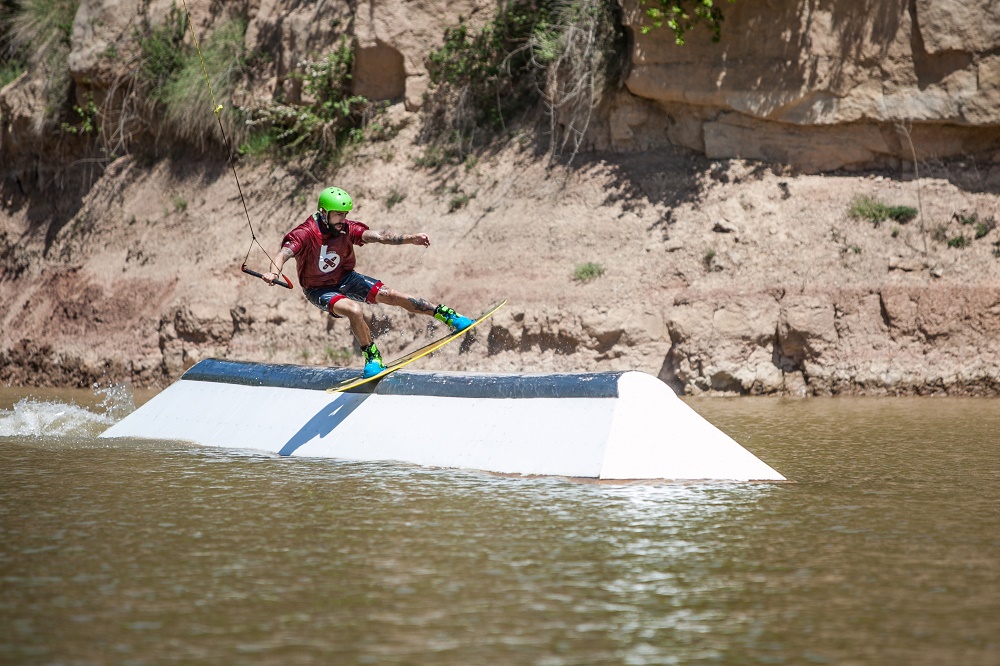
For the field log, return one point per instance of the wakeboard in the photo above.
(415, 355)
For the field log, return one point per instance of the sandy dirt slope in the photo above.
(724, 276)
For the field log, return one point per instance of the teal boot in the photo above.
(373, 361)
(455, 321)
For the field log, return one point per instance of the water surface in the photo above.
(883, 549)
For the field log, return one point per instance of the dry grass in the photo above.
(40, 30)
(576, 54)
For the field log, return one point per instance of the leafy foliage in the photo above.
(554, 51)
(486, 65)
(876, 212)
(683, 15)
(334, 116)
(36, 36)
(578, 55)
(10, 71)
(162, 52)
(257, 144)
(482, 79)
(902, 214)
(983, 227)
(395, 197)
(588, 271)
(188, 103)
(959, 241)
(88, 119)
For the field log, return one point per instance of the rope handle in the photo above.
(287, 284)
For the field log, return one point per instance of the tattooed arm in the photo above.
(283, 255)
(387, 237)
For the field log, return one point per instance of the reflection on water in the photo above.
(882, 550)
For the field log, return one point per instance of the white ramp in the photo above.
(609, 425)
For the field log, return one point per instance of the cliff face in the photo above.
(719, 274)
(820, 85)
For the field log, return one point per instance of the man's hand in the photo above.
(284, 254)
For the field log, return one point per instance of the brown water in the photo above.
(884, 550)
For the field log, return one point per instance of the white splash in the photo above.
(118, 400)
(32, 418)
(53, 420)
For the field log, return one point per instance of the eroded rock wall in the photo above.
(891, 341)
(818, 85)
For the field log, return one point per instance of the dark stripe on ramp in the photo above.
(435, 384)
(267, 374)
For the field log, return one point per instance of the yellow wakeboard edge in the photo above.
(415, 355)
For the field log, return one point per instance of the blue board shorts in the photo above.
(354, 286)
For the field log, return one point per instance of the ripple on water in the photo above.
(882, 550)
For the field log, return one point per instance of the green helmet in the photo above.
(334, 198)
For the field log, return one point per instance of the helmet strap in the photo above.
(324, 222)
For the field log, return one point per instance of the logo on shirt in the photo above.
(328, 259)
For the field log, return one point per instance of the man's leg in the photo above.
(415, 305)
(345, 307)
(409, 303)
(351, 310)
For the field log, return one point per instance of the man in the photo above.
(323, 247)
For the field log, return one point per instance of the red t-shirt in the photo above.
(322, 260)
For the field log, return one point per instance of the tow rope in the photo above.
(287, 283)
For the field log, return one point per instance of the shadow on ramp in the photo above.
(325, 421)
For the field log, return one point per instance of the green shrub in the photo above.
(394, 198)
(432, 157)
(38, 37)
(481, 79)
(707, 259)
(871, 209)
(682, 15)
(162, 52)
(551, 51)
(868, 208)
(902, 214)
(985, 227)
(959, 241)
(335, 119)
(485, 65)
(587, 272)
(10, 70)
(258, 144)
(87, 115)
(965, 220)
(186, 96)
(458, 201)
(173, 91)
